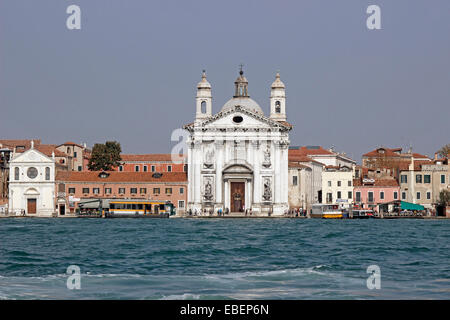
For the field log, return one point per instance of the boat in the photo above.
(362, 214)
(125, 208)
(327, 211)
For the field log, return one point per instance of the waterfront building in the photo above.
(305, 181)
(32, 183)
(376, 194)
(151, 163)
(422, 182)
(73, 187)
(337, 185)
(238, 157)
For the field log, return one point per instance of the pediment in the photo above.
(31, 155)
(237, 118)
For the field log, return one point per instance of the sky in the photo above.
(130, 73)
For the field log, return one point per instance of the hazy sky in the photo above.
(130, 73)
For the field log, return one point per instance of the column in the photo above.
(219, 168)
(277, 172)
(256, 174)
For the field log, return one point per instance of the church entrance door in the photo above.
(237, 196)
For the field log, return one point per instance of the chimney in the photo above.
(435, 156)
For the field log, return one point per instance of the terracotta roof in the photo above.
(388, 152)
(70, 143)
(114, 176)
(417, 165)
(47, 149)
(297, 165)
(309, 150)
(377, 183)
(147, 157)
(23, 142)
(301, 158)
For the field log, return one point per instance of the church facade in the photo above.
(238, 158)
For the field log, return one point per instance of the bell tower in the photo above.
(203, 99)
(241, 86)
(278, 100)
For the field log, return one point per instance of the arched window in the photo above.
(277, 107)
(16, 173)
(47, 173)
(203, 107)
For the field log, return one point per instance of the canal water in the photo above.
(224, 258)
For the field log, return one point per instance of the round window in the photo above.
(32, 172)
(238, 119)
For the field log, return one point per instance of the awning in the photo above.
(411, 206)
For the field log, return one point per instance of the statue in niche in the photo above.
(208, 191)
(209, 158)
(266, 163)
(267, 196)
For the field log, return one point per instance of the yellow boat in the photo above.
(326, 211)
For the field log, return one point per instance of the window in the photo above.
(277, 107)
(185, 168)
(133, 190)
(395, 195)
(181, 190)
(403, 195)
(329, 183)
(96, 190)
(180, 204)
(168, 190)
(169, 168)
(80, 168)
(145, 168)
(349, 195)
(339, 195)
(428, 195)
(426, 178)
(156, 190)
(47, 173)
(72, 190)
(338, 183)
(349, 183)
(153, 168)
(120, 168)
(294, 180)
(418, 195)
(85, 190)
(16, 173)
(329, 197)
(381, 195)
(121, 190)
(419, 178)
(370, 196)
(442, 178)
(143, 190)
(74, 154)
(108, 190)
(68, 150)
(403, 178)
(136, 168)
(358, 196)
(203, 107)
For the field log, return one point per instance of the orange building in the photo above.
(73, 186)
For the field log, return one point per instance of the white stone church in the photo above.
(238, 158)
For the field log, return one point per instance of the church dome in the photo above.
(244, 102)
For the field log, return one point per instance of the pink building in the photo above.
(370, 193)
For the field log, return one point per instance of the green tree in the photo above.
(105, 156)
(444, 151)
